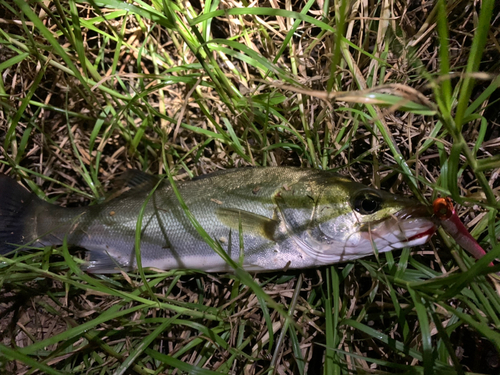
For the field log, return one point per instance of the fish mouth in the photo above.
(412, 226)
(416, 224)
(422, 235)
(418, 211)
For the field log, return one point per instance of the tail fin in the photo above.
(18, 209)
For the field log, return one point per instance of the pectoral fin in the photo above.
(101, 262)
(250, 222)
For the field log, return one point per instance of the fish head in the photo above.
(340, 220)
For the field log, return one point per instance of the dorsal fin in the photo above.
(218, 173)
(133, 180)
(250, 222)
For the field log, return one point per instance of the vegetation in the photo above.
(399, 95)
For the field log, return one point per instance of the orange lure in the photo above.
(445, 212)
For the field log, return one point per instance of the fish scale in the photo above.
(289, 218)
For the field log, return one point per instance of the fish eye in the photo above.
(367, 203)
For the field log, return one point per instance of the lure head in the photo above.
(443, 208)
(334, 219)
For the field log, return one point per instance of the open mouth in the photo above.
(417, 222)
(429, 232)
(409, 227)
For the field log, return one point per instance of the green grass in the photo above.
(91, 88)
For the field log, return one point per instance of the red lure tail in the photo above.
(445, 212)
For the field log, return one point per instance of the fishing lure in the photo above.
(445, 212)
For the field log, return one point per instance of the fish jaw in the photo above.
(411, 226)
(396, 234)
(408, 227)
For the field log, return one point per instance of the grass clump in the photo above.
(395, 95)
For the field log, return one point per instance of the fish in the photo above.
(264, 218)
